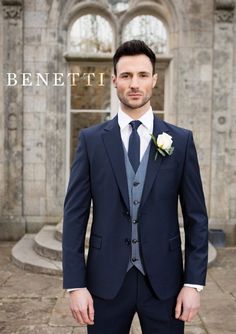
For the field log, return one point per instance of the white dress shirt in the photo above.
(144, 131)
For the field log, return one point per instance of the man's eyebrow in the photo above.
(141, 72)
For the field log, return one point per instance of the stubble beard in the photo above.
(127, 104)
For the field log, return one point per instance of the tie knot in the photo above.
(135, 124)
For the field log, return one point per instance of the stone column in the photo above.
(12, 224)
(222, 109)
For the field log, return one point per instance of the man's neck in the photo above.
(135, 113)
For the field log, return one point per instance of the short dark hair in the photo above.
(133, 48)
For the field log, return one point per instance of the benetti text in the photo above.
(54, 79)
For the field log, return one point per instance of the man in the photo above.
(135, 261)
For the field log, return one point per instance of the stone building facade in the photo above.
(37, 123)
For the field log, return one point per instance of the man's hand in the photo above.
(188, 304)
(81, 306)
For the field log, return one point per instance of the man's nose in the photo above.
(134, 83)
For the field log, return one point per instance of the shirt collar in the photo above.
(146, 119)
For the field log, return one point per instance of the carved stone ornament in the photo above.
(224, 5)
(221, 122)
(12, 9)
(224, 11)
(224, 16)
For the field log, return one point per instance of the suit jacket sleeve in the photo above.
(195, 218)
(76, 213)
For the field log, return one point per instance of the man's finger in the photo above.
(77, 317)
(185, 314)
(192, 314)
(84, 314)
(91, 311)
(178, 309)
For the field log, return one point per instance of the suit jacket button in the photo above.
(127, 241)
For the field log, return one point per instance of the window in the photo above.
(91, 34)
(91, 46)
(149, 29)
(90, 103)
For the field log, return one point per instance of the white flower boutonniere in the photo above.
(163, 144)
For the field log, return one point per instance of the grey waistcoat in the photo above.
(135, 187)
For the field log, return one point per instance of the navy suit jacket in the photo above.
(98, 173)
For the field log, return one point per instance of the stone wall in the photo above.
(44, 118)
(223, 157)
(200, 95)
(194, 79)
(1, 116)
(12, 219)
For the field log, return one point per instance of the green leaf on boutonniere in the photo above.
(154, 139)
(161, 152)
(171, 150)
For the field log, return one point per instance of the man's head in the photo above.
(134, 75)
(133, 48)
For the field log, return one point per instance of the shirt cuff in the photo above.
(74, 289)
(195, 286)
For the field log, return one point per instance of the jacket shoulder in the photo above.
(177, 130)
(95, 129)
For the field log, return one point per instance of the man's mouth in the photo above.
(134, 94)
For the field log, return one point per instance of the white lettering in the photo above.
(101, 77)
(89, 78)
(73, 75)
(26, 79)
(11, 77)
(58, 79)
(43, 79)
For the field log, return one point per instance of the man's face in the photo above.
(134, 81)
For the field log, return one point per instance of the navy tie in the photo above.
(134, 145)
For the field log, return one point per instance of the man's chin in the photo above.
(134, 105)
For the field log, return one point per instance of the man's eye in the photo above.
(124, 76)
(144, 75)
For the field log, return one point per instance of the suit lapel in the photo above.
(153, 165)
(114, 146)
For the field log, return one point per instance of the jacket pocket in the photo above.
(169, 164)
(174, 243)
(95, 241)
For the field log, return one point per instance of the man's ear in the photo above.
(114, 80)
(155, 79)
